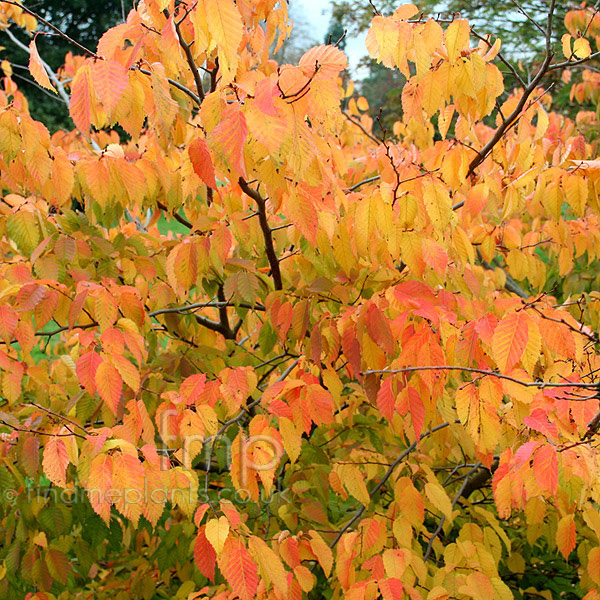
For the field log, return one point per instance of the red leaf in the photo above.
(204, 555)
(386, 401)
(417, 410)
(202, 162)
(86, 368)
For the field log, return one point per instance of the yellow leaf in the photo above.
(292, 438)
(457, 38)
(566, 45)
(354, 482)
(438, 497)
(362, 104)
(593, 565)
(216, 532)
(581, 48)
(438, 204)
(269, 564)
(226, 28)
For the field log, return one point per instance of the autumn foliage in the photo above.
(253, 345)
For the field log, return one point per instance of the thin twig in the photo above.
(538, 384)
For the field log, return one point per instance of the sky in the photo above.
(316, 13)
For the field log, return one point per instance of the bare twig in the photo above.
(176, 216)
(537, 384)
(60, 88)
(56, 30)
(191, 307)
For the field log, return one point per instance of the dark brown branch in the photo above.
(216, 326)
(59, 417)
(506, 123)
(267, 234)
(479, 479)
(223, 307)
(177, 217)
(37, 432)
(187, 50)
(360, 126)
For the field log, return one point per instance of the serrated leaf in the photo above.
(239, 569)
(37, 69)
(109, 385)
(216, 532)
(55, 461)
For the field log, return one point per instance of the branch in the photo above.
(177, 217)
(360, 126)
(506, 123)
(219, 305)
(267, 233)
(60, 417)
(573, 63)
(511, 285)
(538, 384)
(384, 479)
(188, 55)
(38, 432)
(60, 88)
(174, 83)
(455, 500)
(363, 182)
(479, 480)
(56, 30)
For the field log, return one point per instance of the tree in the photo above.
(276, 355)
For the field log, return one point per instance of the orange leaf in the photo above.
(37, 69)
(55, 461)
(79, 108)
(110, 79)
(509, 340)
(566, 535)
(329, 61)
(86, 368)
(239, 569)
(202, 162)
(109, 385)
(545, 468)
